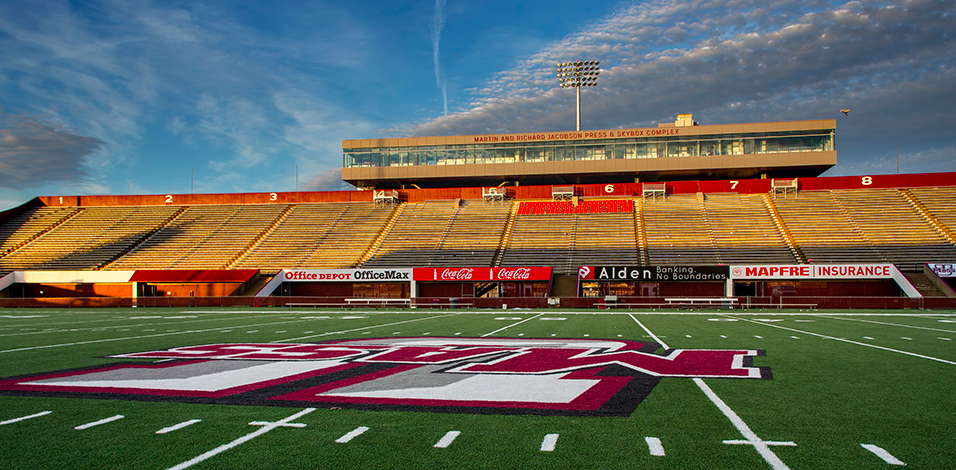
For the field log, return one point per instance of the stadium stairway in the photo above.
(929, 216)
(506, 234)
(924, 285)
(784, 231)
(640, 232)
(382, 234)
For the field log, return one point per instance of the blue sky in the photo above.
(165, 97)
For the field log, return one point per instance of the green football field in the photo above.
(849, 389)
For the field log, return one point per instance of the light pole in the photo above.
(577, 74)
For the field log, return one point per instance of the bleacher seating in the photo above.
(317, 236)
(894, 228)
(541, 240)
(677, 232)
(604, 239)
(89, 239)
(442, 233)
(905, 227)
(824, 231)
(940, 203)
(202, 237)
(743, 231)
(566, 236)
(30, 224)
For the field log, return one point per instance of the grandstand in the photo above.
(904, 226)
(593, 211)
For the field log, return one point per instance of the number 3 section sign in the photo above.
(463, 375)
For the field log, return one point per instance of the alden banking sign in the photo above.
(653, 273)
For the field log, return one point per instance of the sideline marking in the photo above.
(883, 454)
(853, 342)
(241, 440)
(352, 435)
(652, 335)
(97, 423)
(513, 324)
(127, 338)
(897, 324)
(549, 442)
(447, 439)
(751, 438)
(24, 418)
(654, 446)
(179, 426)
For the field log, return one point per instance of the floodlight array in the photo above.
(578, 73)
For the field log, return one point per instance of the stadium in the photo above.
(685, 296)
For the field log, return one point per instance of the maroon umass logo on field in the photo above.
(464, 375)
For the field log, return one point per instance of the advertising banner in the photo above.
(653, 273)
(344, 275)
(943, 270)
(813, 271)
(523, 273)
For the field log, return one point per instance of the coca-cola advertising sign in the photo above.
(508, 273)
(456, 274)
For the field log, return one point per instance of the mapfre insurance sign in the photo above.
(514, 274)
(813, 271)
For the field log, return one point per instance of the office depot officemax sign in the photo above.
(345, 275)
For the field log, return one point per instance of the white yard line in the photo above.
(761, 446)
(241, 440)
(24, 418)
(921, 356)
(654, 446)
(883, 454)
(751, 438)
(447, 439)
(352, 435)
(549, 443)
(176, 321)
(128, 338)
(97, 423)
(895, 324)
(511, 325)
(179, 426)
(653, 336)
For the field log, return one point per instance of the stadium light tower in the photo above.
(577, 74)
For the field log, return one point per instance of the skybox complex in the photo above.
(672, 151)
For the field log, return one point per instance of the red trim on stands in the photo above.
(743, 186)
